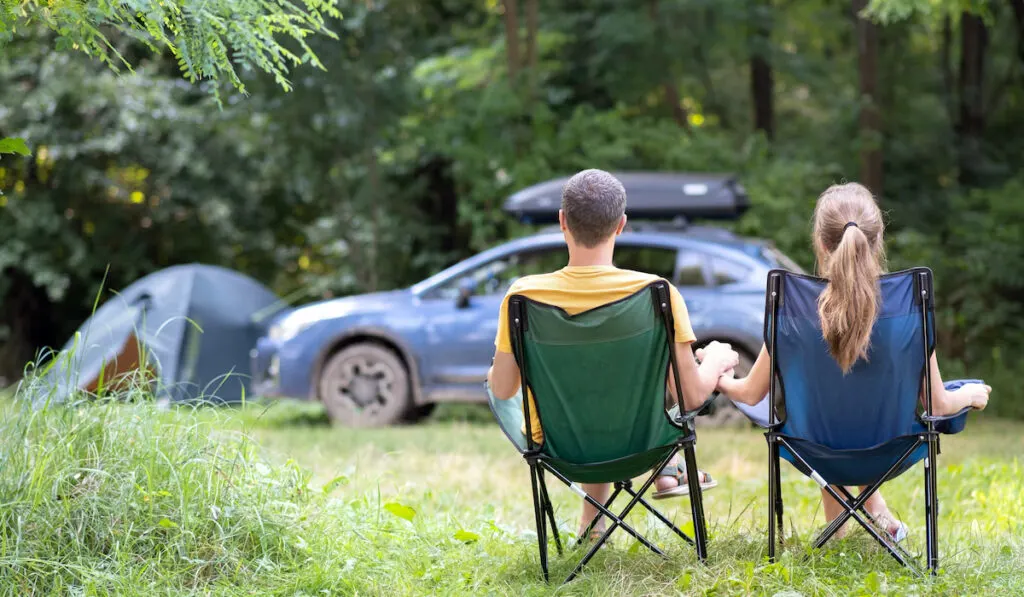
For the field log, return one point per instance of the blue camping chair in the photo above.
(862, 428)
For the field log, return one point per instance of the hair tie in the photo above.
(848, 224)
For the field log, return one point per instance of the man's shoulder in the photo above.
(534, 282)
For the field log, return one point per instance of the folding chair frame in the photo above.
(853, 507)
(537, 461)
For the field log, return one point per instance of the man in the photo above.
(593, 213)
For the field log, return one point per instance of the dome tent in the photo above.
(191, 326)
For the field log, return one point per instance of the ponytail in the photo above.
(849, 305)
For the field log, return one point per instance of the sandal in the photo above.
(678, 472)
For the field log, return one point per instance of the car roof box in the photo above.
(650, 196)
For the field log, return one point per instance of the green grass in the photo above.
(129, 499)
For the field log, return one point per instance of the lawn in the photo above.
(439, 508)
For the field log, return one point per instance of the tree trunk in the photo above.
(531, 33)
(26, 325)
(870, 120)
(762, 83)
(512, 39)
(672, 97)
(945, 65)
(1018, 17)
(971, 125)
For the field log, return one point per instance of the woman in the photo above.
(850, 251)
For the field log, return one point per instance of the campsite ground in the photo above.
(130, 499)
(459, 473)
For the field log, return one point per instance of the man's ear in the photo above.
(561, 221)
(622, 225)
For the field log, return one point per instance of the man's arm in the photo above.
(503, 376)
(700, 381)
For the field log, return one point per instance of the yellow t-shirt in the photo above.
(581, 288)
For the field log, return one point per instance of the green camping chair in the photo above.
(598, 379)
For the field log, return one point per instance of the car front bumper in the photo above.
(278, 372)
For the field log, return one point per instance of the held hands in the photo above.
(719, 356)
(975, 394)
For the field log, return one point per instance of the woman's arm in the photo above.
(699, 381)
(945, 402)
(752, 388)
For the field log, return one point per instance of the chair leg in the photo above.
(538, 515)
(618, 521)
(931, 508)
(773, 493)
(700, 536)
(662, 518)
(549, 510)
(778, 498)
(600, 513)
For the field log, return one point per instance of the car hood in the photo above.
(363, 303)
(343, 307)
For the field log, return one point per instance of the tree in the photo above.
(762, 84)
(870, 119)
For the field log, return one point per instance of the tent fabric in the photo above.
(192, 325)
(851, 428)
(599, 382)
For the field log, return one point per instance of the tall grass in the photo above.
(106, 497)
(114, 498)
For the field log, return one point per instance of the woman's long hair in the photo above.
(848, 242)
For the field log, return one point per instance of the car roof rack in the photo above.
(671, 196)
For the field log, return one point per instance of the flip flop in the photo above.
(678, 472)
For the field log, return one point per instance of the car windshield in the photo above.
(778, 259)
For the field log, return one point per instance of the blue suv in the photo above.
(388, 357)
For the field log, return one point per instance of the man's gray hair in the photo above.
(593, 202)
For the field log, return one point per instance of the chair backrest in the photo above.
(878, 399)
(597, 377)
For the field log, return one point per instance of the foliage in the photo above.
(397, 161)
(208, 39)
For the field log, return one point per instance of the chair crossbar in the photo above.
(543, 512)
(853, 506)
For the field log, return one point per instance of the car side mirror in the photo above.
(466, 288)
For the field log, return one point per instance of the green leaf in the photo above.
(688, 528)
(400, 510)
(167, 523)
(466, 536)
(335, 483)
(14, 145)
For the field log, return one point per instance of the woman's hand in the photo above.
(975, 394)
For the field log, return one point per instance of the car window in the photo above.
(691, 269)
(495, 277)
(724, 271)
(652, 260)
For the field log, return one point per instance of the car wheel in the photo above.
(365, 385)
(723, 412)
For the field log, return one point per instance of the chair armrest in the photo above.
(683, 418)
(941, 418)
(949, 424)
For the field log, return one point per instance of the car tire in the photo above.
(365, 385)
(723, 412)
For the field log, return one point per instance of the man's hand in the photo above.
(720, 357)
